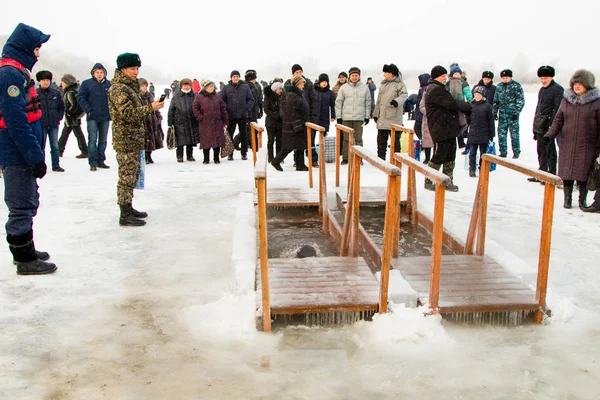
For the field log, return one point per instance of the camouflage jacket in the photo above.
(509, 98)
(128, 114)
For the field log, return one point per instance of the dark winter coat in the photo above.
(53, 107)
(211, 113)
(325, 106)
(549, 99)
(154, 132)
(423, 81)
(578, 124)
(482, 127)
(71, 105)
(490, 90)
(19, 144)
(272, 103)
(238, 99)
(372, 89)
(182, 118)
(93, 96)
(256, 112)
(309, 94)
(442, 112)
(295, 114)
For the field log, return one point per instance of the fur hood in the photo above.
(586, 78)
(294, 89)
(588, 97)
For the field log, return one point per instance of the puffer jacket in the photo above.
(353, 102)
(53, 107)
(387, 114)
(128, 114)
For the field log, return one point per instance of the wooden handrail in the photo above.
(409, 132)
(339, 128)
(309, 128)
(323, 204)
(260, 176)
(433, 174)
(536, 173)
(255, 146)
(371, 158)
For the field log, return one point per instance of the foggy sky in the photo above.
(208, 39)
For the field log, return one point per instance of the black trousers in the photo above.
(242, 125)
(216, 151)
(547, 157)
(298, 157)
(444, 151)
(64, 136)
(382, 142)
(189, 151)
(274, 139)
(473, 154)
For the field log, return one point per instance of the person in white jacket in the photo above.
(353, 109)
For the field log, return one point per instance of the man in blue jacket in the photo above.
(21, 157)
(93, 98)
(239, 101)
(53, 110)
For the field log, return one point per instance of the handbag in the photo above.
(593, 181)
(228, 149)
(171, 138)
(139, 184)
(540, 123)
(491, 149)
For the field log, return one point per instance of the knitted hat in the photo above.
(206, 83)
(454, 67)
(546, 70)
(43, 75)
(506, 72)
(142, 81)
(296, 67)
(392, 69)
(68, 79)
(323, 77)
(344, 74)
(127, 60)
(487, 74)
(438, 71)
(354, 70)
(250, 75)
(185, 81)
(234, 72)
(276, 86)
(584, 77)
(297, 79)
(479, 89)
(277, 79)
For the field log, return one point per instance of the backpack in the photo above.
(455, 87)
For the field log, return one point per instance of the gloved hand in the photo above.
(375, 119)
(339, 121)
(496, 117)
(515, 117)
(39, 170)
(394, 103)
(546, 140)
(534, 136)
(366, 121)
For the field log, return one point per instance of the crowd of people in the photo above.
(446, 111)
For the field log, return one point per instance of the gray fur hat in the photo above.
(585, 77)
(68, 79)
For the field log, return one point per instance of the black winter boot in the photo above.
(568, 191)
(25, 256)
(136, 213)
(206, 156)
(582, 196)
(217, 153)
(127, 218)
(299, 159)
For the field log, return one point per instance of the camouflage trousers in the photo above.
(506, 123)
(129, 170)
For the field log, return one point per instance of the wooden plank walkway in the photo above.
(468, 283)
(369, 196)
(290, 197)
(320, 284)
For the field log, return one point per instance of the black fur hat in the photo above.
(506, 72)
(127, 60)
(250, 74)
(585, 77)
(43, 75)
(487, 74)
(392, 69)
(546, 70)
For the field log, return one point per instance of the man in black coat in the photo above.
(257, 110)
(239, 101)
(442, 119)
(53, 110)
(549, 98)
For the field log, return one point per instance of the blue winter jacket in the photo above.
(53, 107)
(18, 143)
(239, 100)
(93, 96)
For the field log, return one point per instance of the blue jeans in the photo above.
(21, 197)
(97, 139)
(51, 134)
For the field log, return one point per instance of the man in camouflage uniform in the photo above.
(129, 134)
(509, 101)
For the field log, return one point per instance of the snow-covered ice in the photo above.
(167, 311)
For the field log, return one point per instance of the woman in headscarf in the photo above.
(211, 113)
(577, 126)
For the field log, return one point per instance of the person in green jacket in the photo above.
(509, 101)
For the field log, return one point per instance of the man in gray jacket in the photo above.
(353, 108)
(389, 108)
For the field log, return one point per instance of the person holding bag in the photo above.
(211, 113)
